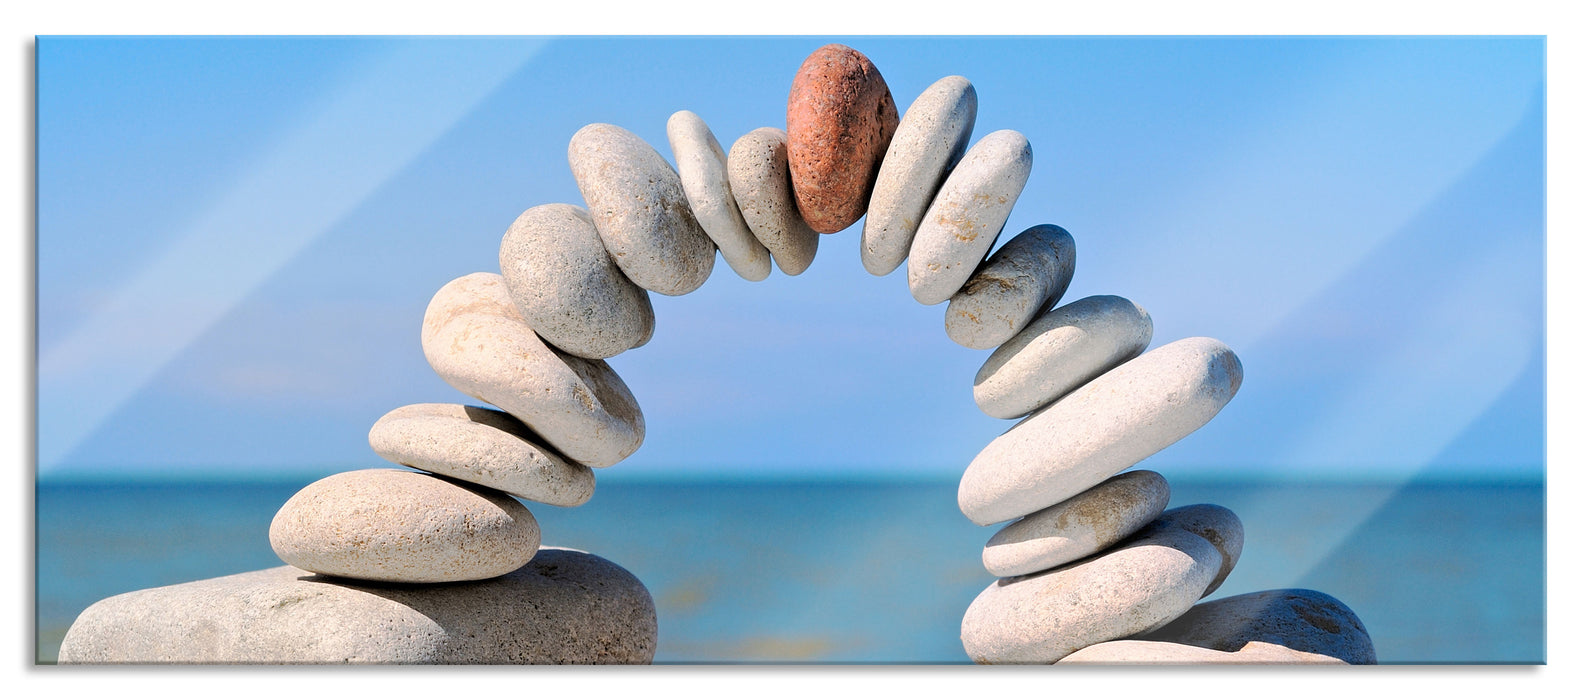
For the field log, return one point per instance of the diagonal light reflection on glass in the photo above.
(407, 99)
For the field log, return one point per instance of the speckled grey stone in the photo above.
(1217, 524)
(567, 287)
(1060, 351)
(930, 140)
(967, 214)
(1106, 426)
(563, 607)
(761, 182)
(403, 527)
(476, 341)
(1296, 618)
(1084, 524)
(1021, 280)
(701, 163)
(636, 202)
(1136, 587)
(482, 446)
(1136, 652)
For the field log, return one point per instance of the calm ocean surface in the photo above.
(825, 572)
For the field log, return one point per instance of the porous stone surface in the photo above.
(930, 140)
(1102, 428)
(567, 287)
(967, 214)
(1137, 587)
(761, 182)
(637, 204)
(482, 446)
(700, 161)
(1084, 524)
(839, 120)
(476, 341)
(1060, 351)
(1217, 524)
(1295, 618)
(1021, 280)
(404, 527)
(563, 607)
(1136, 652)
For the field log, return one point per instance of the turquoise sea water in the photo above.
(836, 572)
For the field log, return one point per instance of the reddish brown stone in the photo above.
(839, 121)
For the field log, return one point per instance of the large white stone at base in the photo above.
(1135, 652)
(563, 607)
(1134, 588)
(1296, 618)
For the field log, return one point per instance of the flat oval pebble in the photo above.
(1060, 351)
(930, 140)
(967, 214)
(405, 527)
(839, 120)
(1124, 652)
(701, 164)
(637, 203)
(1134, 588)
(761, 182)
(1295, 618)
(1021, 280)
(567, 287)
(1084, 524)
(563, 607)
(476, 341)
(1217, 524)
(1108, 425)
(481, 446)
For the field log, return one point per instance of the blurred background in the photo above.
(237, 239)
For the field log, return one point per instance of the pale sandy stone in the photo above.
(1102, 428)
(930, 140)
(405, 527)
(477, 293)
(567, 287)
(761, 182)
(1217, 524)
(1137, 587)
(1084, 524)
(563, 607)
(1060, 351)
(482, 446)
(1296, 618)
(1136, 652)
(476, 341)
(967, 214)
(700, 161)
(1021, 280)
(641, 212)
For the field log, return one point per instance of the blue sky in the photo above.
(237, 238)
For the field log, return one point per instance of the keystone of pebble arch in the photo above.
(840, 117)
(1106, 426)
(563, 607)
